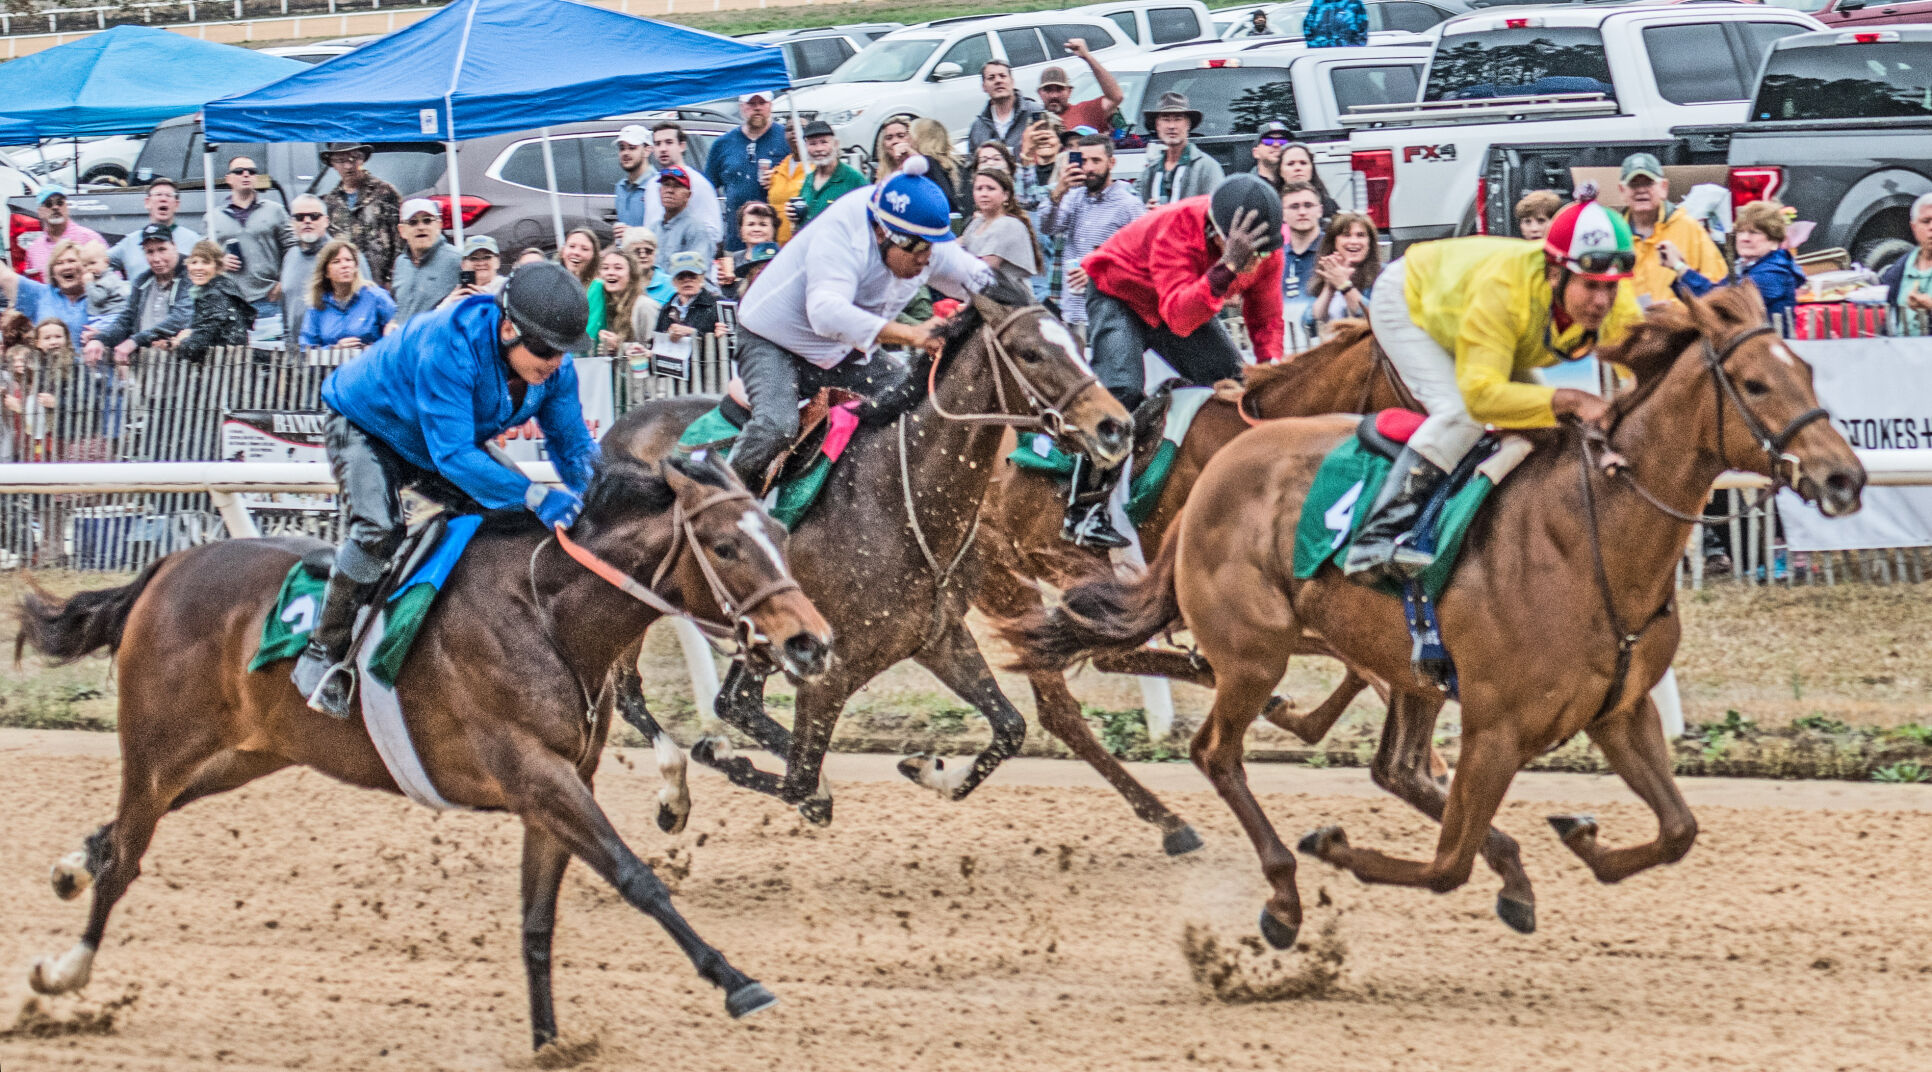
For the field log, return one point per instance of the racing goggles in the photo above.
(1604, 263)
(538, 349)
(912, 244)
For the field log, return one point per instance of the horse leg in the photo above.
(1490, 759)
(1217, 751)
(544, 860)
(1157, 662)
(1314, 725)
(741, 705)
(121, 844)
(1401, 767)
(1060, 715)
(674, 795)
(1633, 744)
(547, 792)
(955, 659)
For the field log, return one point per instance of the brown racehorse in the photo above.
(499, 689)
(1558, 617)
(885, 551)
(1021, 535)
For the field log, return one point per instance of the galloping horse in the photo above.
(886, 550)
(1344, 374)
(1558, 618)
(501, 691)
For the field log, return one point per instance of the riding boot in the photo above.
(322, 673)
(1383, 550)
(1089, 519)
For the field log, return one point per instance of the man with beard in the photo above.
(1085, 219)
(362, 209)
(310, 215)
(56, 226)
(1056, 93)
(802, 193)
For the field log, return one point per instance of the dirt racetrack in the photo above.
(299, 924)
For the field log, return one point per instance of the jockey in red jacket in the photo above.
(1159, 284)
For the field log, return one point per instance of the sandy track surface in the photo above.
(300, 924)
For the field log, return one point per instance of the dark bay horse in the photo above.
(886, 552)
(501, 691)
(1558, 617)
(1020, 531)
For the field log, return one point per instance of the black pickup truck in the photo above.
(1840, 129)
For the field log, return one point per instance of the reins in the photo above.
(1723, 389)
(1047, 416)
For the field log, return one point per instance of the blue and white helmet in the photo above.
(909, 203)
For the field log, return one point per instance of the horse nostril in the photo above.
(1840, 483)
(804, 650)
(1111, 433)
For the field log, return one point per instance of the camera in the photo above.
(468, 278)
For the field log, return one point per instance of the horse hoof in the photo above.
(1315, 842)
(748, 999)
(817, 811)
(914, 766)
(1181, 842)
(64, 974)
(671, 822)
(71, 876)
(1567, 826)
(1520, 915)
(713, 750)
(1278, 934)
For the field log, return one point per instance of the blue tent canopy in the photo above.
(483, 67)
(15, 131)
(128, 79)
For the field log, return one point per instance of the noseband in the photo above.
(738, 611)
(1048, 416)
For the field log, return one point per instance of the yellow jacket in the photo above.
(1487, 301)
(788, 181)
(1653, 277)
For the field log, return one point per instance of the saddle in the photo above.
(826, 422)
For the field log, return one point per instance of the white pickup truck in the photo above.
(1522, 75)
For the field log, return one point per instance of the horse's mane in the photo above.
(621, 487)
(1257, 377)
(887, 405)
(1655, 344)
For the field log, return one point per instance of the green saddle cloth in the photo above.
(797, 490)
(1338, 505)
(1040, 454)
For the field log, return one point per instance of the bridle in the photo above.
(1047, 416)
(738, 628)
(1725, 393)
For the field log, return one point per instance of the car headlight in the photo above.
(48, 167)
(839, 119)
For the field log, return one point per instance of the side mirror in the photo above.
(1850, 5)
(947, 71)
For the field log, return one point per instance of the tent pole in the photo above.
(77, 163)
(556, 200)
(208, 186)
(455, 192)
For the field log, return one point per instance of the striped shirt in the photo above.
(1085, 221)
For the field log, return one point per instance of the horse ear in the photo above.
(681, 485)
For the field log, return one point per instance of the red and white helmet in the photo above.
(1591, 241)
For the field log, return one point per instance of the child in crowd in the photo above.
(1534, 212)
(692, 309)
(107, 292)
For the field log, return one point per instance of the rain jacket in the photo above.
(1776, 275)
(437, 390)
(1159, 265)
(1487, 301)
(1653, 277)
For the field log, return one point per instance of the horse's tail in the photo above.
(1103, 612)
(66, 629)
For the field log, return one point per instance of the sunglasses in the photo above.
(420, 221)
(1274, 141)
(1601, 263)
(307, 217)
(912, 244)
(55, 202)
(243, 171)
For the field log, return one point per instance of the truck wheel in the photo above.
(1876, 253)
(107, 173)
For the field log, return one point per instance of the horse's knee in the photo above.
(1676, 839)
(1450, 876)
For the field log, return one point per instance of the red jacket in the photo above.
(1159, 264)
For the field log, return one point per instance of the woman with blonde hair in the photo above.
(891, 147)
(1758, 233)
(930, 140)
(613, 297)
(346, 308)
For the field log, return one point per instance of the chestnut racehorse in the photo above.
(503, 691)
(1558, 616)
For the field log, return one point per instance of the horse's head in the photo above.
(734, 560)
(1767, 417)
(1043, 372)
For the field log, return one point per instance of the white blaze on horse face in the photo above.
(1056, 333)
(1783, 353)
(754, 526)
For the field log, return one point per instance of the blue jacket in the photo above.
(437, 390)
(732, 166)
(1335, 24)
(1776, 275)
(364, 318)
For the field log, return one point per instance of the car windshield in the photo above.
(1231, 100)
(1876, 81)
(893, 59)
(1809, 7)
(1528, 62)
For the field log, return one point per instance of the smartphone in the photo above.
(233, 249)
(1075, 157)
(468, 278)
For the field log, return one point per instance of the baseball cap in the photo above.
(1276, 128)
(1055, 76)
(685, 262)
(819, 128)
(157, 232)
(417, 206)
(675, 174)
(49, 191)
(475, 244)
(635, 134)
(1641, 164)
(747, 98)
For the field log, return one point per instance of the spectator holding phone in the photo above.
(479, 274)
(1056, 93)
(253, 234)
(347, 310)
(1087, 207)
(800, 192)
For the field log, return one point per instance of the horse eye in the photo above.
(726, 550)
(1756, 388)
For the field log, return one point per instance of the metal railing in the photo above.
(165, 13)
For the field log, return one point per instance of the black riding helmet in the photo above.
(1247, 191)
(548, 307)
